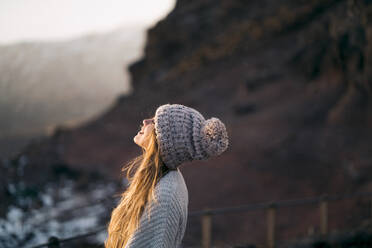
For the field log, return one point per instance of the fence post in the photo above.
(271, 225)
(310, 231)
(53, 242)
(323, 206)
(206, 230)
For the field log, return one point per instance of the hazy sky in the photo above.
(62, 19)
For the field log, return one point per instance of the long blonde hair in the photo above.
(126, 216)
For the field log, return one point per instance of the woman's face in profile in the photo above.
(143, 135)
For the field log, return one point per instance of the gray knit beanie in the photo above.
(184, 135)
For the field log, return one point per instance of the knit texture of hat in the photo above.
(184, 135)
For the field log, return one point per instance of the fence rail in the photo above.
(270, 207)
(54, 242)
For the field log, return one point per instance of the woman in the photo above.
(153, 210)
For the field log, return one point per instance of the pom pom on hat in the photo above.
(214, 137)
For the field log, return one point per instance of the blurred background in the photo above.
(291, 80)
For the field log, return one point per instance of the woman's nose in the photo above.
(147, 121)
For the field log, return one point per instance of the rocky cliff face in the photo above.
(290, 79)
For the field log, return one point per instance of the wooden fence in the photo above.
(271, 209)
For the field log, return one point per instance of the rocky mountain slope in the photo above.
(290, 79)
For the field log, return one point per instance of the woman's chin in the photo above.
(135, 139)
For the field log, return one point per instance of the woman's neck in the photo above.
(165, 169)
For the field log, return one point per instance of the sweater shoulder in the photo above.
(171, 186)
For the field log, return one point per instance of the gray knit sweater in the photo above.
(168, 217)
